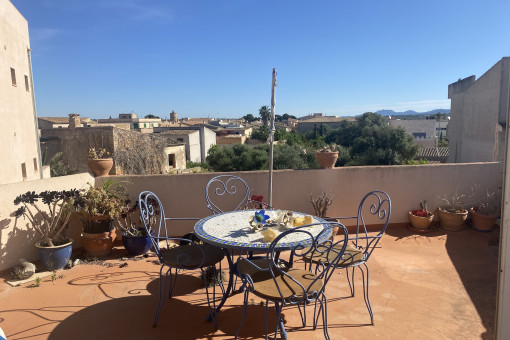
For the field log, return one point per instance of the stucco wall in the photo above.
(18, 133)
(183, 194)
(476, 131)
(16, 238)
(427, 126)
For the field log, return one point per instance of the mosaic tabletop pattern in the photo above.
(232, 230)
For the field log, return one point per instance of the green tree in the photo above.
(237, 157)
(371, 141)
(286, 116)
(150, 116)
(249, 118)
(260, 133)
(265, 114)
(292, 157)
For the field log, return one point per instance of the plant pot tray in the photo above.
(419, 231)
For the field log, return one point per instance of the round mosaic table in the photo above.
(232, 230)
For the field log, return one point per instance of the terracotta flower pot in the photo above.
(450, 221)
(326, 160)
(482, 222)
(100, 167)
(420, 223)
(99, 244)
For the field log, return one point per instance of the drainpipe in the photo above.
(39, 156)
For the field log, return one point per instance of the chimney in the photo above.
(74, 121)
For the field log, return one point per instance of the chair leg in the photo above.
(279, 322)
(212, 307)
(302, 314)
(324, 307)
(162, 292)
(351, 284)
(365, 292)
(243, 317)
(172, 283)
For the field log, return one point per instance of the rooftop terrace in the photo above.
(434, 286)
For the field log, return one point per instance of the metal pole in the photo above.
(271, 139)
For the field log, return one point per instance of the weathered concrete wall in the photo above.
(75, 144)
(179, 156)
(183, 195)
(18, 132)
(17, 237)
(133, 152)
(418, 126)
(230, 139)
(479, 109)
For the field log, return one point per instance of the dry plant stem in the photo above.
(321, 204)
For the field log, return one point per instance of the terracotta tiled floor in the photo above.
(434, 286)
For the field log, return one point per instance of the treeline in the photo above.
(367, 141)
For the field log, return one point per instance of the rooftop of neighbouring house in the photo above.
(422, 286)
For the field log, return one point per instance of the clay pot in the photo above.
(98, 244)
(420, 223)
(100, 167)
(452, 221)
(326, 160)
(482, 222)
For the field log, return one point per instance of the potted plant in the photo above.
(320, 206)
(134, 235)
(98, 207)
(486, 212)
(327, 156)
(99, 162)
(452, 214)
(50, 220)
(421, 219)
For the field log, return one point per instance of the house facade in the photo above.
(479, 110)
(198, 140)
(21, 160)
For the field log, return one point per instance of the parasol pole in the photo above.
(271, 139)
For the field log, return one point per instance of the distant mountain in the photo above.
(411, 112)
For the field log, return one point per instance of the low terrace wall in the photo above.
(183, 195)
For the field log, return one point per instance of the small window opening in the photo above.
(180, 139)
(13, 76)
(35, 164)
(171, 160)
(26, 84)
(24, 171)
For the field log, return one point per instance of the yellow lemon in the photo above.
(299, 221)
(308, 219)
(269, 234)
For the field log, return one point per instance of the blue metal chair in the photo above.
(229, 193)
(176, 254)
(292, 286)
(373, 217)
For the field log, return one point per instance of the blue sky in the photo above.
(215, 58)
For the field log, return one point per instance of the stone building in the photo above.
(20, 153)
(134, 153)
(198, 140)
(479, 111)
(423, 130)
(132, 122)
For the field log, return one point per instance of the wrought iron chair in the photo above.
(373, 213)
(176, 254)
(292, 286)
(229, 193)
